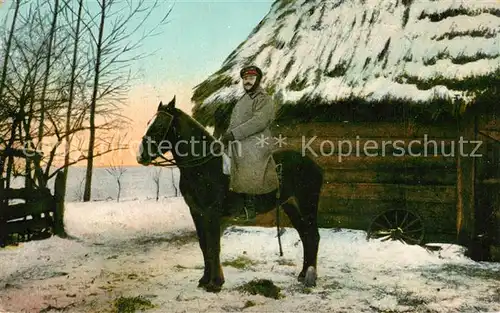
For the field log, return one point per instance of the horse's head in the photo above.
(154, 142)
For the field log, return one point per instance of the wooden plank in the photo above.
(27, 194)
(438, 218)
(326, 220)
(411, 176)
(486, 224)
(490, 181)
(59, 194)
(27, 209)
(492, 186)
(489, 169)
(20, 153)
(489, 121)
(384, 163)
(24, 226)
(495, 253)
(465, 185)
(487, 206)
(356, 207)
(483, 209)
(495, 202)
(358, 214)
(491, 134)
(367, 130)
(383, 146)
(374, 191)
(496, 216)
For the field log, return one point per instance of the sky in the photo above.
(193, 44)
(198, 37)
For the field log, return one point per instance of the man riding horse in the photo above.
(253, 169)
(204, 183)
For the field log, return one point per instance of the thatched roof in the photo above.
(413, 51)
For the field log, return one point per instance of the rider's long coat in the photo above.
(253, 170)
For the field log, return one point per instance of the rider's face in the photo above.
(249, 81)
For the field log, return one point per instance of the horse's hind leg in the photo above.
(309, 207)
(306, 225)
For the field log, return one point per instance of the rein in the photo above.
(194, 162)
(189, 163)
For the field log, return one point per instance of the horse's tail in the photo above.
(307, 178)
(312, 190)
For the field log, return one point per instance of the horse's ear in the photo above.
(171, 104)
(160, 105)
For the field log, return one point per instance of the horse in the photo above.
(205, 188)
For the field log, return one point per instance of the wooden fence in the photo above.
(30, 213)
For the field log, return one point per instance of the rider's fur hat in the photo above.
(251, 70)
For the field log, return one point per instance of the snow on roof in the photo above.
(419, 50)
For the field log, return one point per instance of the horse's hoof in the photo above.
(203, 282)
(301, 277)
(213, 288)
(310, 277)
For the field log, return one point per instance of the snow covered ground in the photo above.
(147, 248)
(137, 183)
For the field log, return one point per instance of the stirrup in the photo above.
(249, 207)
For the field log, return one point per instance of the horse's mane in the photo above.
(194, 122)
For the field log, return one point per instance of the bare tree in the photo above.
(33, 88)
(28, 85)
(117, 172)
(111, 80)
(97, 72)
(156, 179)
(3, 78)
(72, 83)
(49, 56)
(4, 106)
(48, 65)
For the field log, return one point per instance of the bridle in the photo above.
(166, 162)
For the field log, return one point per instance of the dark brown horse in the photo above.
(205, 188)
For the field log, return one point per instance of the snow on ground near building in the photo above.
(145, 248)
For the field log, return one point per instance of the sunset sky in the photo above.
(193, 45)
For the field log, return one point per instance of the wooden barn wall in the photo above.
(487, 185)
(360, 186)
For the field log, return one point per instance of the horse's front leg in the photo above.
(213, 236)
(199, 224)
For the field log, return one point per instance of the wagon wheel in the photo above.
(398, 224)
